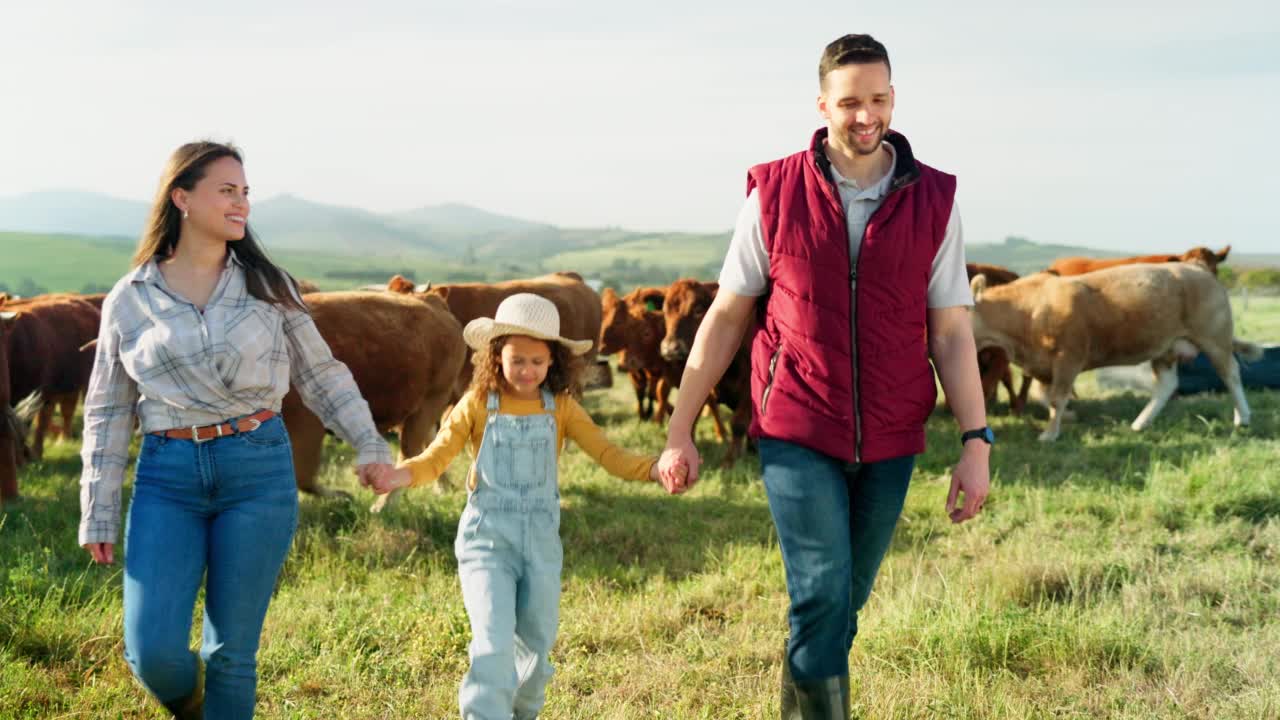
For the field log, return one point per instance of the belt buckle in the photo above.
(195, 435)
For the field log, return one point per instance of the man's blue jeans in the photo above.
(834, 525)
(228, 508)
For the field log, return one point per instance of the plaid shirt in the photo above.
(159, 357)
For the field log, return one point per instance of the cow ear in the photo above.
(1222, 254)
(609, 296)
(978, 284)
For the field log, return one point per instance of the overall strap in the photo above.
(493, 404)
(548, 401)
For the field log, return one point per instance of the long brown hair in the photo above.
(186, 167)
(564, 375)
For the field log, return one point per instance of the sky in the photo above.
(1115, 125)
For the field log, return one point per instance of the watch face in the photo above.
(989, 436)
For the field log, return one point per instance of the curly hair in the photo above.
(564, 375)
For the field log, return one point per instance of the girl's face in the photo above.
(525, 362)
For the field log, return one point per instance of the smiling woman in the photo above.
(200, 341)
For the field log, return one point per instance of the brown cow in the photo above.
(684, 306)
(578, 304)
(993, 363)
(1069, 266)
(401, 284)
(11, 437)
(44, 354)
(633, 331)
(404, 353)
(1056, 327)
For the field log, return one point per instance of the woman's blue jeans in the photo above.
(834, 523)
(222, 511)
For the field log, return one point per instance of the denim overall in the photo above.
(509, 560)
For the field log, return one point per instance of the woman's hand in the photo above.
(103, 553)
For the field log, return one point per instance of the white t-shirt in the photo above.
(746, 266)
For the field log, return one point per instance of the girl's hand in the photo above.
(391, 480)
(680, 472)
(103, 553)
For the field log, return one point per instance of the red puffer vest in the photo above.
(805, 386)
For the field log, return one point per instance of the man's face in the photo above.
(857, 104)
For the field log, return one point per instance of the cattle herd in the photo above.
(403, 344)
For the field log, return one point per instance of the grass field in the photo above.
(1113, 575)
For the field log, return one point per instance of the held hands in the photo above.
(383, 478)
(677, 469)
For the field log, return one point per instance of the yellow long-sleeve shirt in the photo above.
(465, 426)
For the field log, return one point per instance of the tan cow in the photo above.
(578, 304)
(404, 353)
(1057, 327)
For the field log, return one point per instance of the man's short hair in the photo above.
(851, 50)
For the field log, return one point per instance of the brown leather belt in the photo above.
(205, 433)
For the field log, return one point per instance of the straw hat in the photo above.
(522, 314)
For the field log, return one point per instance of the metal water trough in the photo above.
(1199, 376)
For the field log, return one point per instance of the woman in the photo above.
(201, 340)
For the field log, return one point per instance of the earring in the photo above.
(185, 215)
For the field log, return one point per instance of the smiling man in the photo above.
(850, 255)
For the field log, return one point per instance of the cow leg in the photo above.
(712, 406)
(1007, 380)
(1059, 394)
(1229, 370)
(67, 408)
(43, 420)
(8, 463)
(640, 383)
(1018, 404)
(738, 424)
(662, 396)
(1166, 383)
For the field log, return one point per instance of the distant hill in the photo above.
(454, 240)
(73, 212)
(458, 218)
(288, 222)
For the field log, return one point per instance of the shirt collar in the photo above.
(149, 272)
(880, 187)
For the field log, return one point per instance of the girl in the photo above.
(200, 342)
(517, 414)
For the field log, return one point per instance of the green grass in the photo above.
(1112, 575)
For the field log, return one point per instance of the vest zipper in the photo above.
(857, 356)
(773, 365)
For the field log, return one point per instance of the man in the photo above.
(849, 256)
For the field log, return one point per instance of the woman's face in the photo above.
(218, 206)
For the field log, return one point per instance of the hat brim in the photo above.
(480, 332)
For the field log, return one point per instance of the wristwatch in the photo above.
(984, 433)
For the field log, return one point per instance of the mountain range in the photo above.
(457, 234)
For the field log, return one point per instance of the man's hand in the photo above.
(678, 466)
(971, 476)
